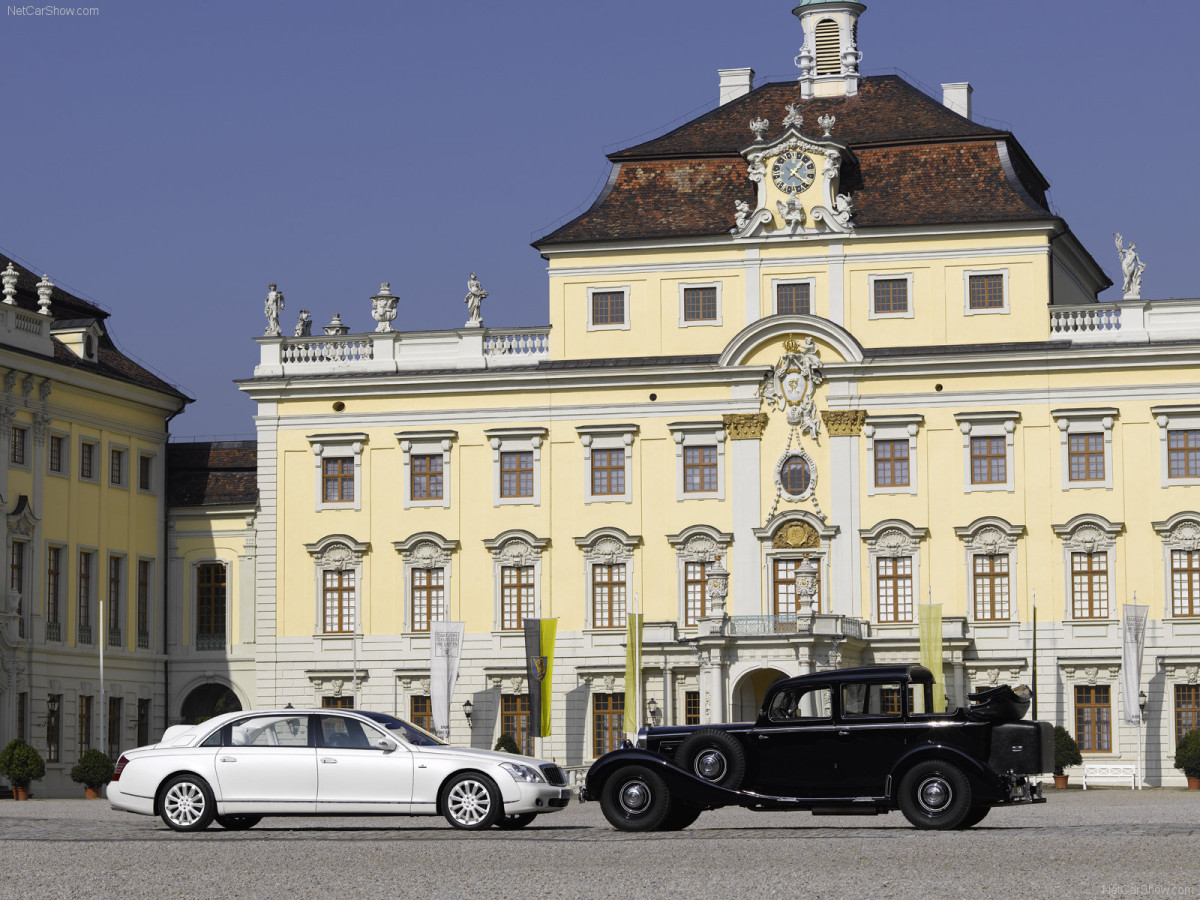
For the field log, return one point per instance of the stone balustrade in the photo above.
(1126, 321)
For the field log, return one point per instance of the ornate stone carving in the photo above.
(792, 213)
(745, 426)
(1132, 268)
(610, 683)
(1185, 535)
(701, 548)
(427, 555)
(272, 307)
(759, 125)
(796, 536)
(45, 290)
(336, 326)
(844, 422)
(41, 428)
(793, 117)
(517, 553)
(894, 543)
(303, 325)
(383, 307)
(9, 278)
(44, 389)
(474, 300)
(827, 122)
(338, 556)
(27, 388)
(607, 551)
(747, 223)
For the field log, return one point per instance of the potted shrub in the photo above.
(1187, 758)
(93, 771)
(507, 743)
(1066, 753)
(22, 765)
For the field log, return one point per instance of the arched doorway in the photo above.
(749, 692)
(207, 701)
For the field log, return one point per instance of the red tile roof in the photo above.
(212, 473)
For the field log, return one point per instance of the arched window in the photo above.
(829, 48)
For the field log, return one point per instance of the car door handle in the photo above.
(842, 732)
(228, 759)
(328, 760)
(763, 737)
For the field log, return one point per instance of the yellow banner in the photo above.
(633, 671)
(930, 618)
(549, 630)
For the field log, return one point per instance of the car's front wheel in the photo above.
(520, 820)
(635, 799)
(186, 803)
(935, 795)
(472, 801)
(238, 822)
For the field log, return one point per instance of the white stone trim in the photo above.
(518, 548)
(824, 554)
(67, 456)
(685, 285)
(26, 429)
(194, 596)
(339, 445)
(342, 552)
(607, 437)
(1168, 419)
(804, 279)
(425, 550)
(1085, 421)
(613, 289)
(425, 443)
(892, 428)
(991, 536)
(516, 440)
(997, 311)
(607, 546)
(1179, 532)
(907, 277)
(989, 424)
(696, 543)
(698, 434)
(1089, 533)
(894, 539)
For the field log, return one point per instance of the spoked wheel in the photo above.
(935, 795)
(238, 822)
(635, 799)
(508, 823)
(471, 801)
(186, 803)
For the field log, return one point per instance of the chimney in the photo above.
(735, 83)
(957, 97)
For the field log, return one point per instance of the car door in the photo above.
(871, 736)
(794, 746)
(267, 763)
(357, 775)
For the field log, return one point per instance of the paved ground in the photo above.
(1108, 842)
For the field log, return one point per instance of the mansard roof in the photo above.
(212, 473)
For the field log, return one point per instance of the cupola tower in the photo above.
(829, 57)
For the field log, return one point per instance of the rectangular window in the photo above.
(784, 587)
(428, 597)
(608, 472)
(514, 720)
(143, 722)
(988, 460)
(53, 593)
(346, 702)
(608, 308)
(84, 731)
(699, 469)
(991, 587)
(1093, 719)
(143, 604)
(1085, 456)
(894, 588)
(114, 733)
(516, 596)
(608, 596)
(145, 473)
(1187, 709)
(1183, 454)
(115, 612)
(891, 295)
(891, 463)
(1089, 585)
(22, 716)
(85, 597)
(426, 477)
(695, 590)
(700, 304)
(793, 299)
(691, 708)
(1185, 583)
(16, 577)
(337, 479)
(210, 606)
(420, 711)
(608, 722)
(338, 598)
(87, 461)
(54, 460)
(986, 291)
(17, 445)
(516, 474)
(54, 728)
(116, 467)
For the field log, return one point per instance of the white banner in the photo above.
(445, 650)
(1133, 642)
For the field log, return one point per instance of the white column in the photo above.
(753, 279)
(837, 284)
(845, 513)
(747, 515)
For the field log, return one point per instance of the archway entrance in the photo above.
(207, 701)
(749, 692)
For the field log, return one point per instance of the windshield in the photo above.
(406, 731)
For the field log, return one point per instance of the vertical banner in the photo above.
(633, 673)
(539, 658)
(930, 618)
(445, 650)
(1133, 642)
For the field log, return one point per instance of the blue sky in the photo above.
(168, 160)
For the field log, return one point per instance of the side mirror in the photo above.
(385, 745)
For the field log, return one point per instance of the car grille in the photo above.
(554, 775)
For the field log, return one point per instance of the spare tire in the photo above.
(714, 756)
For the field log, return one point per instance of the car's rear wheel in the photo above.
(935, 795)
(635, 799)
(238, 822)
(508, 823)
(714, 756)
(975, 816)
(472, 801)
(186, 803)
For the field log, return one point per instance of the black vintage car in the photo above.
(846, 742)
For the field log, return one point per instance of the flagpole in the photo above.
(103, 711)
(1033, 602)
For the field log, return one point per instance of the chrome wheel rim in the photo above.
(934, 794)
(711, 765)
(184, 803)
(469, 802)
(634, 796)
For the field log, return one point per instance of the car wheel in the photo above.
(680, 817)
(635, 799)
(508, 823)
(471, 801)
(186, 803)
(935, 795)
(714, 756)
(975, 816)
(238, 823)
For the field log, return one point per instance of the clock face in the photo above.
(793, 172)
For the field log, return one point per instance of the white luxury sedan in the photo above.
(238, 767)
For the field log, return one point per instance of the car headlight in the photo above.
(528, 774)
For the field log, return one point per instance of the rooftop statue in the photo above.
(272, 308)
(1132, 268)
(474, 301)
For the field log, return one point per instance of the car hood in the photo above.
(495, 757)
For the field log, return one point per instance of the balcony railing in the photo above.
(114, 637)
(53, 631)
(210, 641)
(143, 640)
(84, 634)
(784, 623)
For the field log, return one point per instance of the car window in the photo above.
(871, 700)
(406, 731)
(340, 731)
(270, 731)
(798, 704)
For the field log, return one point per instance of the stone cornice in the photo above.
(844, 422)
